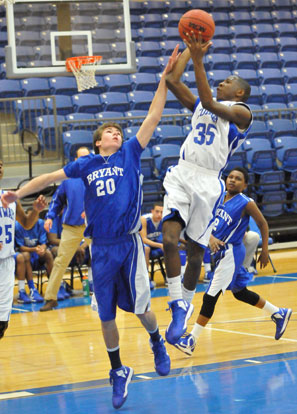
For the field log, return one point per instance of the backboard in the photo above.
(42, 34)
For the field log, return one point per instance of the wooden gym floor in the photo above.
(56, 361)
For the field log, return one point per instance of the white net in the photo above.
(84, 70)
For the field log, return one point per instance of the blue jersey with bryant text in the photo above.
(229, 225)
(113, 193)
(153, 230)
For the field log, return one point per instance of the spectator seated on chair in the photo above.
(21, 264)
(33, 244)
(151, 234)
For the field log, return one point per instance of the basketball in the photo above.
(197, 20)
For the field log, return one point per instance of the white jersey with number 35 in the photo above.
(7, 226)
(212, 140)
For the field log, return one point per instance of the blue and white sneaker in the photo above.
(23, 297)
(186, 344)
(181, 312)
(119, 379)
(63, 291)
(281, 319)
(162, 359)
(35, 296)
(60, 294)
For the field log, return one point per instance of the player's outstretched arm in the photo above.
(28, 220)
(176, 86)
(155, 111)
(32, 186)
(238, 114)
(253, 211)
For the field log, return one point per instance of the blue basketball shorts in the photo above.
(120, 276)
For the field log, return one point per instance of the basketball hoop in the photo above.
(84, 68)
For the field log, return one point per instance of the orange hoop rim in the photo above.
(79, 61)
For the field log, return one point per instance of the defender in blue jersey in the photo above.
(194, 186)
(113, 199)
(226, 243)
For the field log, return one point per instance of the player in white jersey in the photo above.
(226, 243)
(8, 215)
(194, 186)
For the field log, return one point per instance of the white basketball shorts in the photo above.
(7, 269)
(195, 193)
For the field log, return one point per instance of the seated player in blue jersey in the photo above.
(113, 196)
(226, 242)
(193, 187)
(151, 233)
(23, 272)
(8, 215)
(33, 244)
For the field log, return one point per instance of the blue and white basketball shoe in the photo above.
(119, 379)
(186, 344)
(181, 312)
(281, 319)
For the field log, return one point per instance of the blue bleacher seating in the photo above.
(286, 44)
(255, 96)
(243, 45)
(149, 48)
(26, 38)
(259, 130)
(238, 159)
(82, 121)
(35, 87)
(27, 111)
(86, 102)
(243, 31)
(286, 152)
(271, 76)
(178, 6)
(117, 82)
(266, 44)
(260, 155)
(219, 61)
(143, 81)
(273, 93)
(10, 88)
(48, 130)
(140, 99)
(72, 140)
(157, 7)
(239, 17)
(151, 190)
(165, 155)
(130, 132)
(270, 181)
(169, 134)
(172, 101)
(261, 16)
(153, 20)
(274, 110)
(113, 116)
(285, 29)
(222, 46)
(274, 203)
(147, 164)
(264, 30)
(62, 85)
(147, 34)
(292, 91)
(288, 59)
(148, 64)
(283, 4)
(282, 16)
(268, 60)
(244, 61)
(223, 32)
(221, 6)
(282, 127)
(249, 75)
(133, 113)
(172, 19)
(262, 5)
(167, 47)
(170, 33)
(61, 103)
(289, 75)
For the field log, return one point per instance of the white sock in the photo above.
(207, 267)
(269, 308)
(174, 287)
(196, 331)
(21, 284)
(188, 294)
(90, 274)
